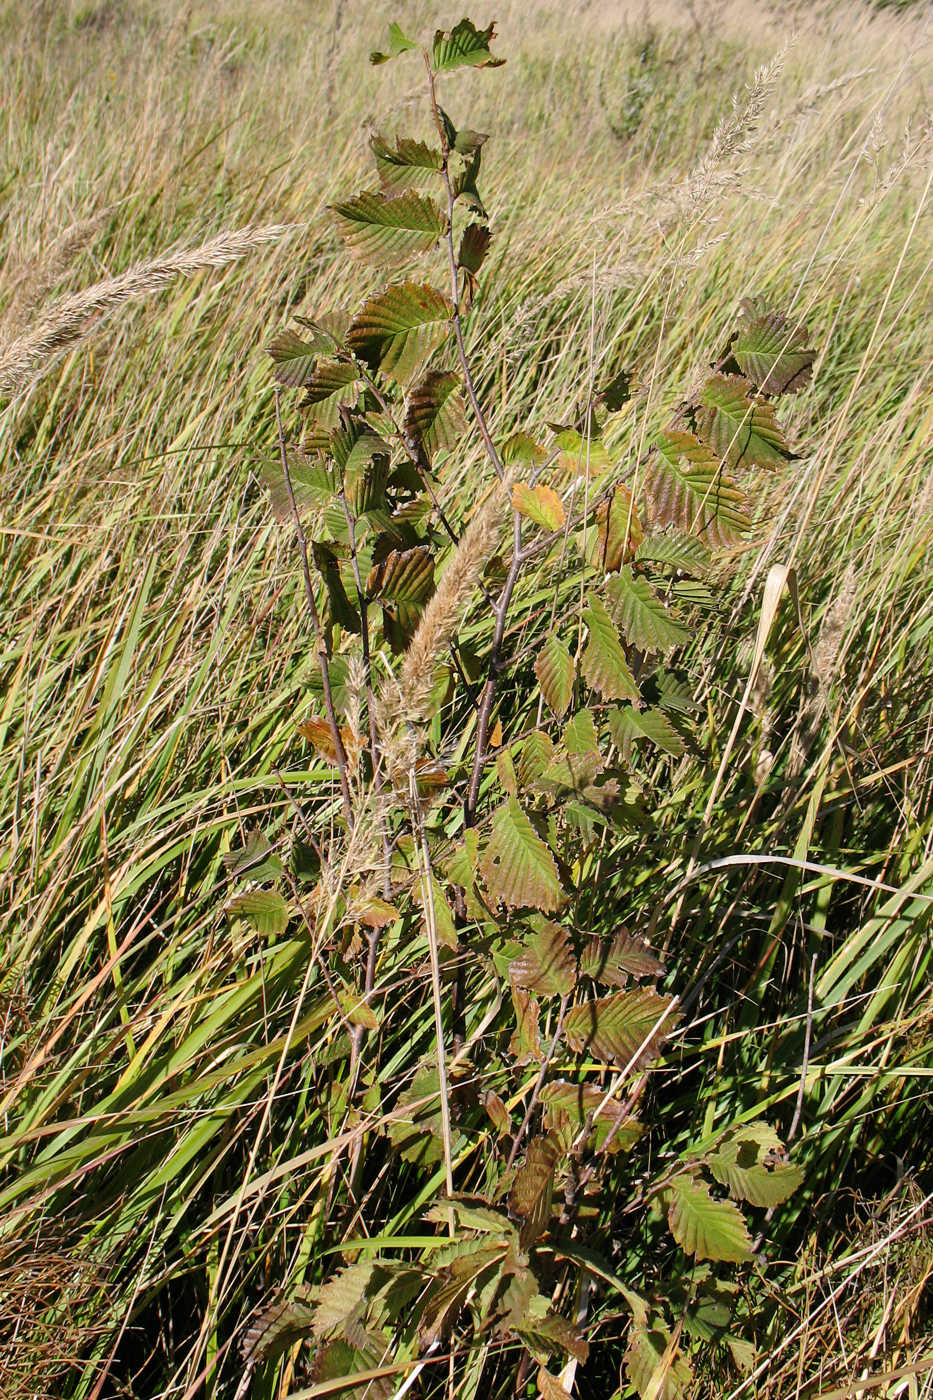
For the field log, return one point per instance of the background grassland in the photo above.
(164, 1159)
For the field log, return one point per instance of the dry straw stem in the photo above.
(68, 321)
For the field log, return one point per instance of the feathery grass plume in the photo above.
(68, 321)
(31, 283)
(402, 702)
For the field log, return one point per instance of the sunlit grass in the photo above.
(159, 1082)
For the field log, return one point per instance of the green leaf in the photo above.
(655, 1365)
(517, 866)
(739, 428)
(463, 46)
(385, 228)
(294, 358)
(617, 1028)
(637, 610)
(266, 910)
(603, 663)
(628, 725)
(682, 553)
(398, 43)
(435, 414)
(770, 351)
(334, 382)
(554, 670)
(540, 504)
(547, 965)
(745, 1163)
(706, 1228)
(399, 328)
(410, 164)
(687, 488)
(530, 1196)
(569, 1108)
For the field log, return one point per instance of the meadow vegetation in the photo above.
(228, 963)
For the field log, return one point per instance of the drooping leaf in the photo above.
(255, 857)
(345, 1369)
(549, 1387)
(525, 1043)
(463, 46)
(540, 504)
(403, 582)
(416, 1130)
(629, 726)
(683, 553)
(641, 615)
(554, 670)
(497, 1112)
(577, 759)
(276, 1327)
(474, 245)
(522, 447)
(339, 608)
(626, 1028)
(456, 1282)
(435, 415)
(530, 1196)
(604, 664)
(655, 1365)
(467, 142)
(266, 910)
(341, 1298)
(739, 428)
(312, 486)
(518, 867)
(544, 1331)
(617, 391)
(704, 1227)
(579, 455)
(688, 489)
(386, 228)
(365, 479)
(614, 961)
(410, 164)
(770, 351)
(547, 965)
(747, 1162)
(398, 43)
(398, 329)
(334, 382)
(294, 358)
(318, 732)
(535, 757)
(618, 531)
(571, 1108)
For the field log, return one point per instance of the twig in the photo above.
(339, 750)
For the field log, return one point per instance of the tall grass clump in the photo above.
(319, 1048)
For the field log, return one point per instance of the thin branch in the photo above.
(455, 282)
(539, 1082)
(339, 750)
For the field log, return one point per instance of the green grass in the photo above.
(164, 1128)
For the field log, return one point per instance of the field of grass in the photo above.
(174, 1086)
